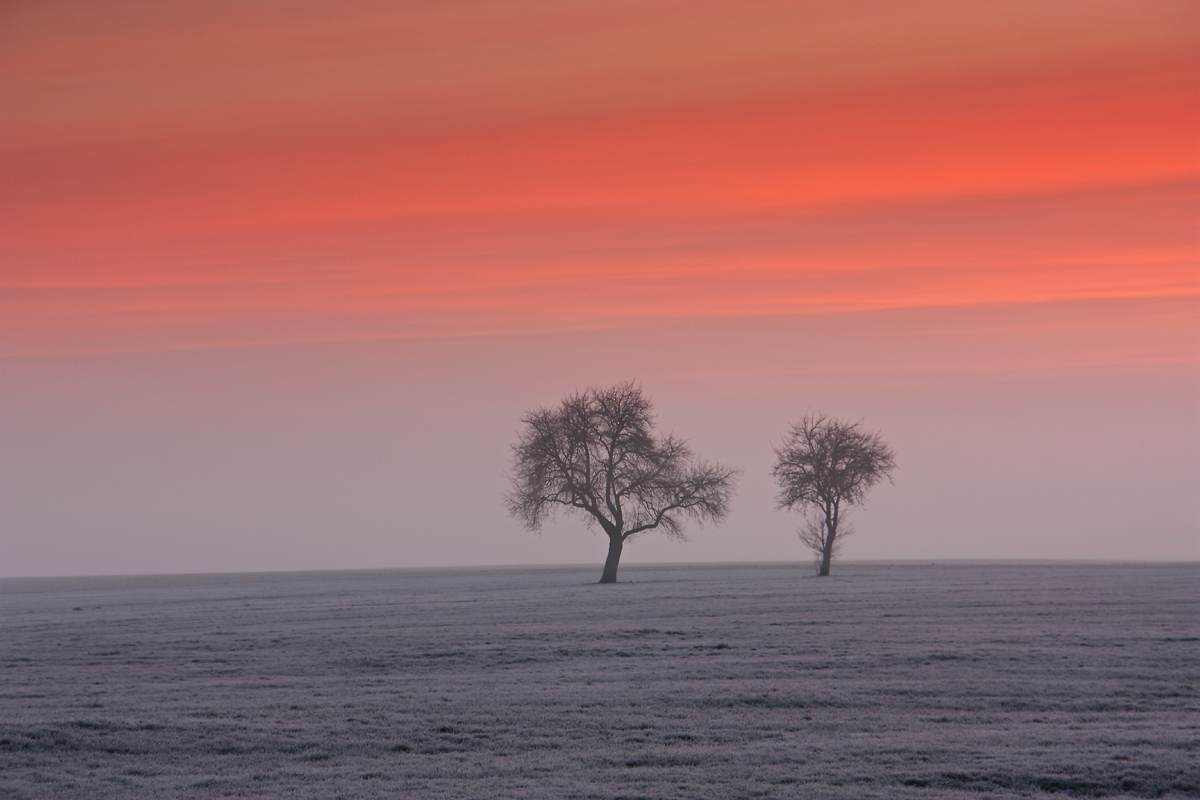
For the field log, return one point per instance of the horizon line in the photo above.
(9, 579)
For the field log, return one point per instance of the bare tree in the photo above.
(596, 454)
(825, 467)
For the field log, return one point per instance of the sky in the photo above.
(279, 279)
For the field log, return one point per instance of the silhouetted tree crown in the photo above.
(596, 454)
(826, 466)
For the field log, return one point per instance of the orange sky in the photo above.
(188, 176)
(279, 279)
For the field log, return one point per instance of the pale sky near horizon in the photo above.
(277, 281)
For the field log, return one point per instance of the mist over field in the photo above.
(707, 681)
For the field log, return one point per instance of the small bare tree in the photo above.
(825, 467)
(596, 454)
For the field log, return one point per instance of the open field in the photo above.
(886, 680)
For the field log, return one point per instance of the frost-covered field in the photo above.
(703, 681)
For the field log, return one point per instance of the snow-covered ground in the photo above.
(714, 681)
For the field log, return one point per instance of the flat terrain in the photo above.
(886, 680)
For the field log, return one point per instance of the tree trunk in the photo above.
(831, 522)
(823, 572)
(826, 554)
(615, 543)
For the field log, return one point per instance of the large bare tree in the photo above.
(825, 467)
(597, 455)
